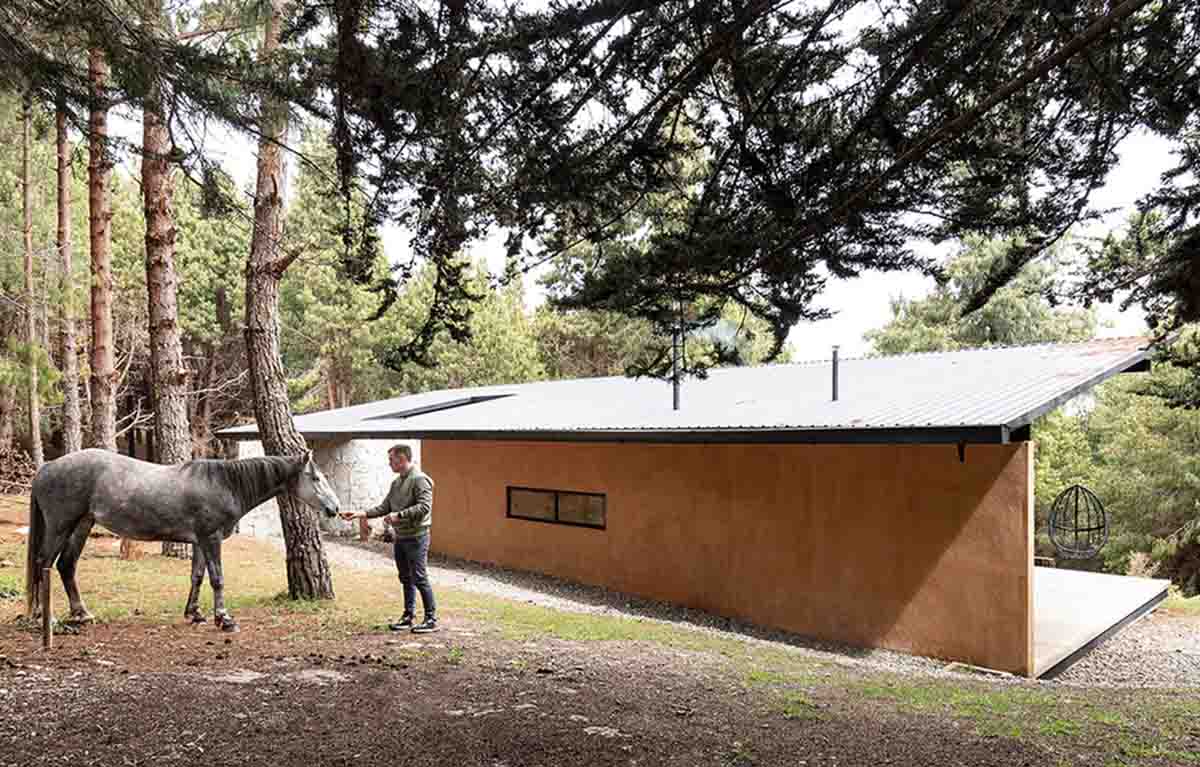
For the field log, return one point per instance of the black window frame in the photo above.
(556, 521)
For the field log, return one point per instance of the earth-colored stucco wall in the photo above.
(356, 469)
(901, 547)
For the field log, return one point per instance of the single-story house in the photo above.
(897, 513)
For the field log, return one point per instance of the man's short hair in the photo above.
(403, 450)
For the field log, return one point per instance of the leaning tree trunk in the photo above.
(168, 375)
(31, 304)
(72, 432)
(307, 569)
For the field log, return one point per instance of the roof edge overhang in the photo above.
(1136, 362)
(850, 436)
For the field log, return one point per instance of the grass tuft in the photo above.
(11, 587)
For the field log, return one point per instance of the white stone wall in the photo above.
(358, 471)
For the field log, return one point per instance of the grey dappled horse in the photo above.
(197, 502)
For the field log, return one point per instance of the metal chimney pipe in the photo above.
(675, 343)
(835, 374)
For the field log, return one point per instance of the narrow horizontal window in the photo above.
(557, 507)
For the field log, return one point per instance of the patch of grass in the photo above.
(1055, 727)
(1108, 718)
(962, 699)
(797, 705)
(454, 656)
(1000, 729)
(1014, 712)
(1179, 604)
(11, 586)
(802, 672)
(764, 677)
(1141, 750)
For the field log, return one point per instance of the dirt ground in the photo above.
(456, 699)
(315, 688)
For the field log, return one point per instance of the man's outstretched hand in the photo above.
(348, 515)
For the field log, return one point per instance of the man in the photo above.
(408, 508)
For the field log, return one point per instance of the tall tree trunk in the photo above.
(307, 569)
(72, 432)
(43, 288)
(168, 375)
(31, 302)
(104, 376)
(202, 418)
(8, 406)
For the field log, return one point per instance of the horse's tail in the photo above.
(33, 568)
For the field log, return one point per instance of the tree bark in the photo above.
(202, 417)
(103, 377)
(307, 569)
(43, 288)
(168, 375)
(31, 303)
(72, 431)
(8, 405)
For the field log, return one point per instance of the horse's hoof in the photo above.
(196, 618)
(81, 619)
(227, 624)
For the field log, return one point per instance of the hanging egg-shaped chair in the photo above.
(1078, 523)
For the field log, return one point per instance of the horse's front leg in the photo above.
(192, 611)
(221, 616)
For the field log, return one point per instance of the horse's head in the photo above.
(313, 489)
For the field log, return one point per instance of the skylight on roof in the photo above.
(435, 407)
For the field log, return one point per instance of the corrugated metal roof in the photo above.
(977, 395)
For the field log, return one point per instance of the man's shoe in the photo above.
(428, 626)
(405, 622)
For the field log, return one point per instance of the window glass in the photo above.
(531, 504)
(580, 509)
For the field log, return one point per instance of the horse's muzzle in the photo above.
(330, 511)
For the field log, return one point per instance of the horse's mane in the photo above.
(251, 480)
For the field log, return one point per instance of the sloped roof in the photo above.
(977, 395)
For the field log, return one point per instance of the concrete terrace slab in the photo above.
(1073, 611)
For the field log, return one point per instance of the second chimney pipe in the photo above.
(835, 374)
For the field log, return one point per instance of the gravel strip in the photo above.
(1157, 651)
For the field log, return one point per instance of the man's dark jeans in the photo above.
(412, 556)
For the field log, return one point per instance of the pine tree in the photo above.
(103, 381)
(31, 304)
(168, 374)
(307, 568)
(72, 426)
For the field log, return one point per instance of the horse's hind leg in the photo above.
(67, 561)
(192, 611)
(53, 543)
